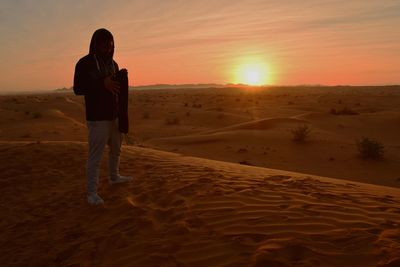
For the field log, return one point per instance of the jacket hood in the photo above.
(100, 35)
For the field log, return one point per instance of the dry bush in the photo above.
(129, 139)
(245, 162)
(369, 148)
(26, 135)
(36, 115)
(343, 111)
(197, 105)
(145, 115)
(172, 121)
(301, 133)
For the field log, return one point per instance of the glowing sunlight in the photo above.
(252, 72)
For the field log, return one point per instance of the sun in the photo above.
(252, 76)
(252, 72)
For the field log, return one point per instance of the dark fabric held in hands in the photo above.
(90, 72)
(123, 121)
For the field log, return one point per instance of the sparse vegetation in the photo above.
(145, 115)
(129, 139)
(197, 105)
(301, 133)
(241, 150)
(26, 135)
(245, 162)
(369, 148)
(36, 115)
(172, 121)
(343, 111)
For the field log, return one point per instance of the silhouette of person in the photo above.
(94, 80)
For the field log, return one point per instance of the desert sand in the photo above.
(218, 180)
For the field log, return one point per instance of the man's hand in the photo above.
(110, 85)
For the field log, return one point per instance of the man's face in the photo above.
(105, 48)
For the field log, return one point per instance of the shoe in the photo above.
(94, 199)
(120, 179)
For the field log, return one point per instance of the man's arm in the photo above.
(85, 82)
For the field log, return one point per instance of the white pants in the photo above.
(101, 133)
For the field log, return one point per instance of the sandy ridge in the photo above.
(186, 211)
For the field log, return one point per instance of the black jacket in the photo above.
(88, 81)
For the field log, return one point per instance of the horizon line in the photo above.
(200, 85)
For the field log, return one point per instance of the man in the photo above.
(94, 79)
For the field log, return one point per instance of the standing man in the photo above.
(94, 78)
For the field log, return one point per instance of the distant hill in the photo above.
(64, 89)
(231, 85)
(177, 86)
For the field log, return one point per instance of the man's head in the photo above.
(102, 44)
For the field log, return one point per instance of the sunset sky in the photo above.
(204, 41)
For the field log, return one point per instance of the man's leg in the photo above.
(98, 134)
(115, 143)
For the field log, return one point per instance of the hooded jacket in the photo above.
(89, 81)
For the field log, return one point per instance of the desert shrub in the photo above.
(245, 162)
(129, 139)
(369, 148)
(26, 135)
(301, 133)
(348, 111)
(188, 114)
(145, 115)
(173, 121)
(197, 105)
(36, 115)
(343, 111)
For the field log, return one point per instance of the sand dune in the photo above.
(223, 134)
(186, 211)
(206, 206)
(261, 124)
(237, 125)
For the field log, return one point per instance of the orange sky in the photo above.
(204, 41)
